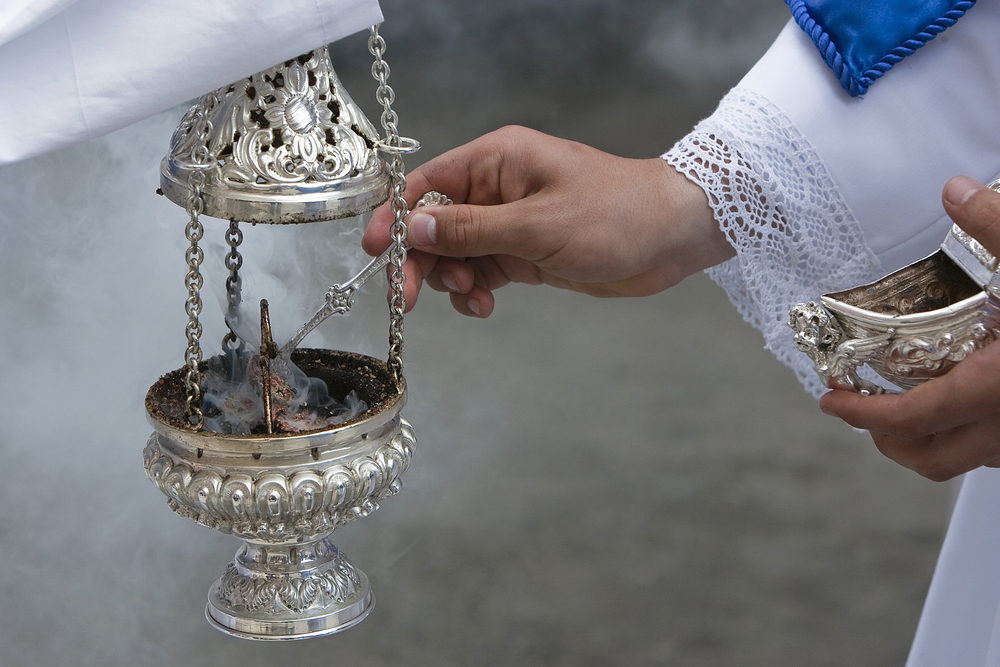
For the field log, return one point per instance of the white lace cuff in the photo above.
(794, 235)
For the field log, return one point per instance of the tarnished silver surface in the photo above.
(283, 494)
(909, 327)
(286, 145)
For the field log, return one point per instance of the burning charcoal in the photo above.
(232, 399)
(230, 407)
(301, 420)
(310, 418)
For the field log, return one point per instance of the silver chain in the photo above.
(194, 231)
(397, 179)
(234, 261)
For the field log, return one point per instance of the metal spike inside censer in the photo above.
(236, 444)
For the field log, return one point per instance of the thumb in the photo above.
(976, 209)
(465, 230)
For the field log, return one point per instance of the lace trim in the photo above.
(795, 236)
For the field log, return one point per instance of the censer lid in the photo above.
(970, 254)
(285, 145)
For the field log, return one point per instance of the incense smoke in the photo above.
(233, 397)
(273, 268)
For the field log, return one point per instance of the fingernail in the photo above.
(828, 411)
(422, 229)
(473, 306)
(448, 281)
(958, 190)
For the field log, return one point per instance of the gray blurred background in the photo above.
(630, 482)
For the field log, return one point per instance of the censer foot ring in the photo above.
(286, 592)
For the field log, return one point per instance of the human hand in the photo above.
(535, 209)
(951, 424)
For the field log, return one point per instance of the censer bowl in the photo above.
(283, 494)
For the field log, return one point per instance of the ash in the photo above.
(233, 403)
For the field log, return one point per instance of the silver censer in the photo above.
(283, 495)
(909, 327)
(286, 145)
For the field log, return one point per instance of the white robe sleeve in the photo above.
(96, 65)
(19, 16)
(819, 191)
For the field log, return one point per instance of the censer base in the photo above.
(288, 592)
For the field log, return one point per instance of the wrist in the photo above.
(692, 240)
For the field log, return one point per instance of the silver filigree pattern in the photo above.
(287, 145)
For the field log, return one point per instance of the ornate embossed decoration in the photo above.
(285, 145)
(269, 505)
(909, 327)
(280, 467)
(326, 578)
(284, 494)
(924, 358)
(821, 337)
(256, 593)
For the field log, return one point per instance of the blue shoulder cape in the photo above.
(862, 39)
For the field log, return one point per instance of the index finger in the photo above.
(377, 237)
(497, 168)
(451, 173)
